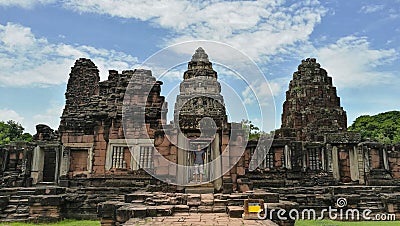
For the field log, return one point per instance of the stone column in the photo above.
(288, 155)
(181, 173)
(360, 157)
(354, 172)
(64, 167)
(37, 165)
(323, 160)
(304, 158)
(335, 163)
(216, 159)
(367, 165)
(328, 151)
(385, 159)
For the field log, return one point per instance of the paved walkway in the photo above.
(193, 219)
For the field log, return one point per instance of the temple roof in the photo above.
(200, 55)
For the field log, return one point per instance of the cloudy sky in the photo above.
(357, 42)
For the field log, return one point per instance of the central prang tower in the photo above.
(200, 96)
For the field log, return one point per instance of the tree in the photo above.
(12, 131)
(253, 131)
(384, 127)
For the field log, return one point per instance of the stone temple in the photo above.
(104, 163)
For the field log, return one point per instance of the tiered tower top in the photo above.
(312, 107)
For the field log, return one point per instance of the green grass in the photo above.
(61, 223)
(345, 223)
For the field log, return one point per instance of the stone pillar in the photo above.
(226, 166)
(288, 155)
(328, 151)
(323, 160)
(335, 163)
(64, 166)
(37, 165)
(360, 157)
(216, 159)
(385, 159)
(182, 172)
(304, 158)
(354, 172)
(367, 165)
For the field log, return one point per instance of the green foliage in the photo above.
(253, 131)
(384, 127)
(11, 131)
(61, 223)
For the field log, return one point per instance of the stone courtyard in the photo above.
(102, 163)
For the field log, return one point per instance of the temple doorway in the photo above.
(49, 166)
(203, 146)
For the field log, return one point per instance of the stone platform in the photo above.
(141, 208)
(197, 219)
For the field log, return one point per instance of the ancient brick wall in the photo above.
(394, 160)
(15, 164)
(93, 115)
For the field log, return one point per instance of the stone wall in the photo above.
(93, 118)
(15, 164)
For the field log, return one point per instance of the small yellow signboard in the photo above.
(254, 207)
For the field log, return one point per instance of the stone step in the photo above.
(19, 216)
(199, 190)
(13, 220)
(235, 211)
(9, 209)
(13, 201)
(23, 209)
(181, 208)
(26, 192)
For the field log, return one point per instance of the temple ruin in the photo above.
(97, 163)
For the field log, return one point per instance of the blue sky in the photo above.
(357, 42)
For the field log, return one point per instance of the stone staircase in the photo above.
(206, 188)
(17, 209)
(13, 179)
(154, 204)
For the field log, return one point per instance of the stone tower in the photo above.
(312, 107)
(200, 95)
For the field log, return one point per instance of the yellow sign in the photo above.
(254, 207)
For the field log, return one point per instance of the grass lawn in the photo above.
(344, 223)
(61, 223)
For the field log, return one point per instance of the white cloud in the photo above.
(24, 3)
(371, 8)
(352, 62)
(8, 114)
(259, 28)
(50, 117)
(26, 59)
(261, 92)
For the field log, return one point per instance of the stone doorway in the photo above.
(49, 167)
(193, 146)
